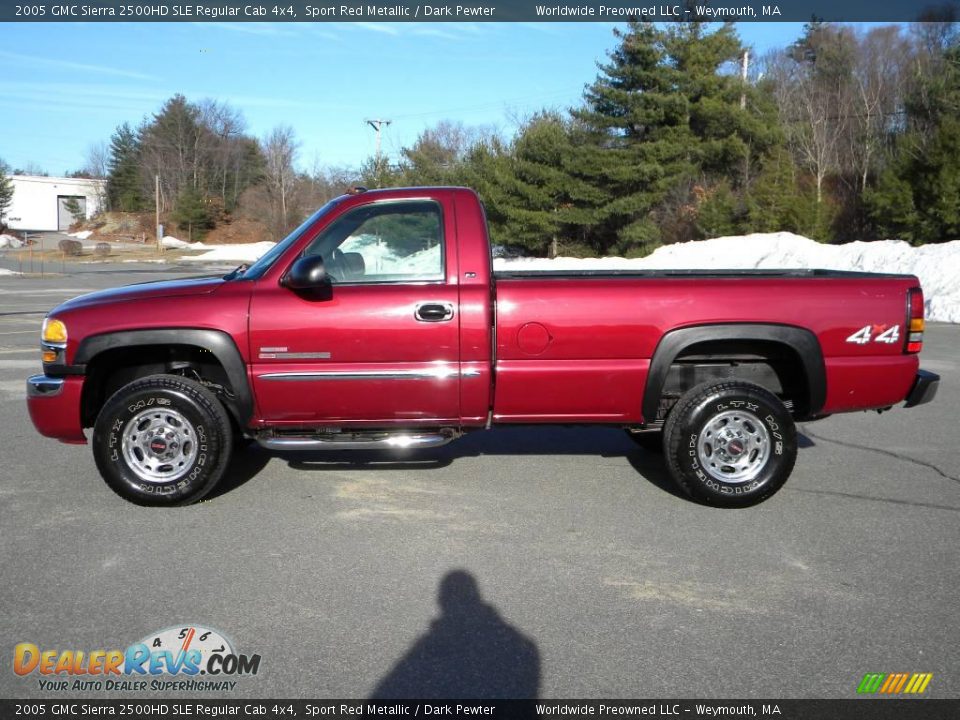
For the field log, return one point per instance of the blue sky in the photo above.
(65, 86)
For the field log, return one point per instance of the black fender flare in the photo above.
(802, 341)
(217, 342)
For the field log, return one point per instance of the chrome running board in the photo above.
(360, 441)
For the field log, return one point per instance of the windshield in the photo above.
(256, 271)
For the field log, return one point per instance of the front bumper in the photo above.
(54, 406)
(924, 388)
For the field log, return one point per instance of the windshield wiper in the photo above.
(237, 272)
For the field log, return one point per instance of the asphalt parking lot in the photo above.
(542, 561)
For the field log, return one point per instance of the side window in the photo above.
(384, 242)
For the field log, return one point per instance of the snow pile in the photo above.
(247, 253)
(168, 241)
(379, 259)
(9, 241)
(4, 271)
(937, 265)
(82, 235)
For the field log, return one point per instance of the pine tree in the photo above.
(637, 137)
(191, 213)
(669, 128)
(917, 196)
(6, 191)
(532, 191)
(124, 191)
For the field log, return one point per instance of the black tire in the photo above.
(175, 416)
(756, 448)
(649, 441)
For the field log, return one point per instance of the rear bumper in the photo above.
(924, 388)
(54, 406)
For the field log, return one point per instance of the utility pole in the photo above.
(378, 126)
(156, 202)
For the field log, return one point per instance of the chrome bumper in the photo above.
(43, 386)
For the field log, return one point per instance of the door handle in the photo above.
(433, 312)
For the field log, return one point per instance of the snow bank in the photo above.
(228, 253)
(378, 258)
(937, 265)
(9, 241)
(168, 241)
(4, 271)
(82, 235)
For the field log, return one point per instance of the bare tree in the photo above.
(814, 91)
(881, 56)
(279, 148)
(97, 166)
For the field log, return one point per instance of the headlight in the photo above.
(54, 332)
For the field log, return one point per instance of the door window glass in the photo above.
(384, 242)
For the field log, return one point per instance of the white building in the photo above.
(39, 203)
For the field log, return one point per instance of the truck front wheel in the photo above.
(730, 443)
(162, 440)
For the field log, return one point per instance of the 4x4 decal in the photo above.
(876, 333)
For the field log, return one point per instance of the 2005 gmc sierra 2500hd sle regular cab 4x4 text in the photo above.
(379, 323)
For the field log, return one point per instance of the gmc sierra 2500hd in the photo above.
(378, 323)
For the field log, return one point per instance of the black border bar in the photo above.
(144, 707)
(324, 11)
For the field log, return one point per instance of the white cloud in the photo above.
(35, 61)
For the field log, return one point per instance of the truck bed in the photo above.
(689, 273)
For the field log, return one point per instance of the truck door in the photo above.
(381, 346)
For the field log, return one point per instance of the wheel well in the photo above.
(111, 369)
(772, 365)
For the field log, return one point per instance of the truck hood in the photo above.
(146, 291)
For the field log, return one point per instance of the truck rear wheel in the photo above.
(162, 440)
(730, 443)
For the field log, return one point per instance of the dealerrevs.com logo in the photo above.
(189, 657)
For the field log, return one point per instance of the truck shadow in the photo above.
(604, 442)
(506, 441)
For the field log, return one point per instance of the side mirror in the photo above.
(307, 273)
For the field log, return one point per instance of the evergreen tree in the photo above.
(72, 206)
(637, 137)
(192, 213)
(669, 128)
(124, 191)
(917, 196)
(6, 191)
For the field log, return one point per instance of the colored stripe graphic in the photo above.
(871, 682)
(894, 683)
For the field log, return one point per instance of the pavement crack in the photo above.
(888, 453)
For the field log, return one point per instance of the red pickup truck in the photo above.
(379, 323)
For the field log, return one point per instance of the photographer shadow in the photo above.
(470, 652)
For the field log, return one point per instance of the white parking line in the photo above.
(13, 389)
(18, 364)
(18, 332)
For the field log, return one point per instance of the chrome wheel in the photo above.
(159, 445)
(734, 446)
